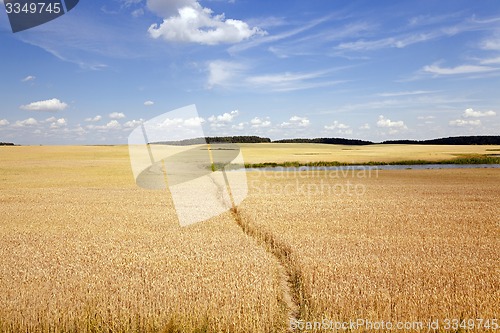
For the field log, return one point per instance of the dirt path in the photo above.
(290, 277)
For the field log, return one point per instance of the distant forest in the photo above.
(329, 141)
(457, 140)
(215, 139)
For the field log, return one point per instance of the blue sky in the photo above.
(374, 70)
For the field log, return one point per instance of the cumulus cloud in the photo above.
(4, 122)
(462, 122)
(384, 122)
(132, 123)
(149, 103)
(193, 122)
(339, 128)
(336, 125)
(295, 121)
(259, 122)
(239, 127)
(116, 115)
(190, 22)
(26, 122)
(50, 105)
(471, 113)
(168, 8)
(176, 124)
(365, 126)
(58, 123)
(113, 124)
(224, 118)
(94, 119)
(475, 114)
(29, 78)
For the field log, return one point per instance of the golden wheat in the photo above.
(84, 250)
(410, 246)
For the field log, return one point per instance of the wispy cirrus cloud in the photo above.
(290, 81)
(271, 38)
(405, 93)
(458, 70)
(232, 75)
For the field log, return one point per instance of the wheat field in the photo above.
(310, 152)
(409, 246)
(85, 250)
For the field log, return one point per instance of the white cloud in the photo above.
(132, 123)
(462, 122)
(490, 61)
(224, 118)
(138, 12)
(149, 103)
(4, 122)
(425, 117)
(397, 42)
(295, 121)
(240, 126)
(471, 113)
(95, 119)
(462, 69)
(58, 123)
(29, 78)
(113, 124)
(116, 115)
(259, 122)
(193, 122)
(50, 120)
(196, 24)
(168, 8)
(365, 126)
(51, 105)
(26, 122)
(384, 122)
(339, 127)
(491, 44)
(405, 93)
(336, 125)
(290, 81)
(220, 72)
